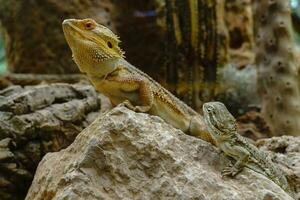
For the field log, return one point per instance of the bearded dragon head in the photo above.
(91, 43)
(218, 119)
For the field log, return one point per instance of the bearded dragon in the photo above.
(96, 52)
(222, 127)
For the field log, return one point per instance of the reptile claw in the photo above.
(126, 104)
(230, 170)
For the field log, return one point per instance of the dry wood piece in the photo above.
(35, 120)
(34, 79)
(13, 175)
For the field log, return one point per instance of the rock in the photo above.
(128, 155)
(35, 120)
(286, 153)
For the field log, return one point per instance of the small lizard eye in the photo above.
(209, 109)
(109, 44)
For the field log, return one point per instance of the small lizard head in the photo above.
(218, 118)
(90, 42)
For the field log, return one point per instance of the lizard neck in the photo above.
(216, 134)
(110, 65)
(104, 68)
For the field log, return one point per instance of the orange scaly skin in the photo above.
(96, 52)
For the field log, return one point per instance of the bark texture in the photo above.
(277, 66)
(11, 79)
(36, 120)
(194, 46)
(239, 22)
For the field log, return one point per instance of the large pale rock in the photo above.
(285, 151)
(128, 155)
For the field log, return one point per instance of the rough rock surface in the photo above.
(35, 120)
(128, 155)
(285, 152)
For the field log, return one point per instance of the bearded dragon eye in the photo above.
(88, 25)
(109, 44)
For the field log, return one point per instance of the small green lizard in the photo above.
(222, 127)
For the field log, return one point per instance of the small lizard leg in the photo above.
(233, 170)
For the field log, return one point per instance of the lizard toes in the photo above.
(142, 108)
(126, 104)
(230, 165)
(226, 172)
(229, 171)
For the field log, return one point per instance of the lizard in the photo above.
(96, 51)
(223, 129)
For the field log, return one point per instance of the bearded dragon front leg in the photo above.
(138, 86)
